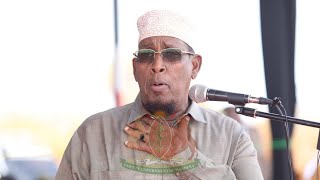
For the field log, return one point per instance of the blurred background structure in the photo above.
(62, 61)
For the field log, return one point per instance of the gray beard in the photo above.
(168, 108)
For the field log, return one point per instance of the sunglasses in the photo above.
(168, 55)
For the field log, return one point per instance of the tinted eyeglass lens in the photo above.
(171, 54)
(145, 55)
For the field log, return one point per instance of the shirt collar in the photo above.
(196, 112)
(138, 111)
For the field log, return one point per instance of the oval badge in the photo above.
(160, 137)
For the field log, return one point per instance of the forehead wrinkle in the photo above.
(162, 43)
(153, 44)
(145, 45)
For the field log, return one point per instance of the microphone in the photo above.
(200, 93)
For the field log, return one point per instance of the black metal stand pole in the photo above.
(254, 113)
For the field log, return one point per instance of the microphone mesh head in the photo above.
(198, 93)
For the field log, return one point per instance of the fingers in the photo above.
(143, 124)
(148, 119)
(143, 131)
(140, 126)
(137, 134)
(139, 145)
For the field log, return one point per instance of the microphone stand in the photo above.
(254, 113)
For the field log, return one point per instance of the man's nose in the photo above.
(158, 65)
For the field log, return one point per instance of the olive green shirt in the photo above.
(96, 151)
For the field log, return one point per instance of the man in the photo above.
(163, 134)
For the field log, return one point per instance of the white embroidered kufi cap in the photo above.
(165, 23)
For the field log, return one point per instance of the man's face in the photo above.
(165, 84)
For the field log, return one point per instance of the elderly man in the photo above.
(163, 134)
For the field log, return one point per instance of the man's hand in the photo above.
(156, 137)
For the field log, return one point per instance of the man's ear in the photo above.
(134, 68)
(196, 65)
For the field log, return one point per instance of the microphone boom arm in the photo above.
(254, 113)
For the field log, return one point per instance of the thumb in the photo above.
(184, 122)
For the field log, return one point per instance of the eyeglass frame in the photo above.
(160, 52)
